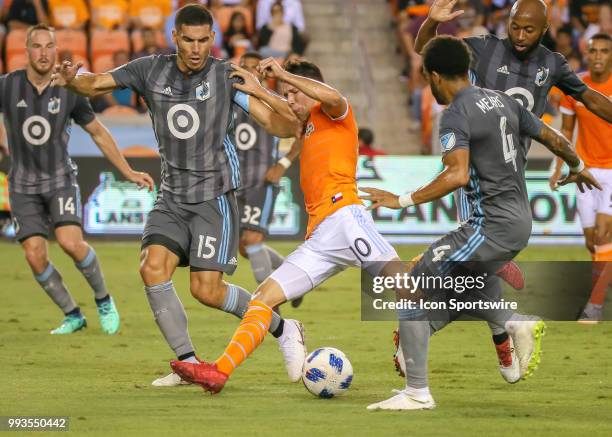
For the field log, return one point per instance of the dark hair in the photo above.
(366, 136)
(277, 3)
(567, 29)
(39, 26)
(304, 69)
(253, 55)
(602, 36)
(447, 56)
(193, 15)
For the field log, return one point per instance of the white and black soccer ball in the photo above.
(327, 372)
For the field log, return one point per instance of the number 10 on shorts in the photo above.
(206, 249)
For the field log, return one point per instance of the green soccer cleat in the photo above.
(109, 317)
(71, 324)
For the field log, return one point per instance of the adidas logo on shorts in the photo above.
(233, 261)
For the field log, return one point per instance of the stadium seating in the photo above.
(73, 40)
(103, 44)
(136, 39)
(15, 49)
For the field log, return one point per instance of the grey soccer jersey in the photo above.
(257, 150)
(38, 129)
(495, 67)
(192, 120)
(489, 124)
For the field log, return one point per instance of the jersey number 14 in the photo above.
(508, 143)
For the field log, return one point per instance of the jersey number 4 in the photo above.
(508, 143)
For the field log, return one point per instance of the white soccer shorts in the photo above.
(346, 238)
(593, 202)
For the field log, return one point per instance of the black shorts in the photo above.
(203, 235)
(33, 213)
(256, 205)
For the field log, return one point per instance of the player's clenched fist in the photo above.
(271, 69)
(249, 84)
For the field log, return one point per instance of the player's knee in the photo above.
(36, 256)
(269, 293)
(71, 246)
(153, 270)
(249, 238)
(242, 248)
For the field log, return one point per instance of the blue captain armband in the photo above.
(242, 99)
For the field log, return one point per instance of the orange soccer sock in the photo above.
(249, 335)
(602, 273)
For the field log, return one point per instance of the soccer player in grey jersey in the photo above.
(191, 97)
(480, 131)
(257, 153)
(42, 179)
(519, 66)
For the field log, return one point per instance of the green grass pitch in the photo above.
(103, 382)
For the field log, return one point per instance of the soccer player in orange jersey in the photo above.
(340, 231)
(594, 146)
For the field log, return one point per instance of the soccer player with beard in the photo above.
(523, 68)
(191, 97)
(479, 132)
(42, 180)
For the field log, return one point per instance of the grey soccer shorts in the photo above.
(33, 213)
(462, 265)
(203, 235)
(256, 205)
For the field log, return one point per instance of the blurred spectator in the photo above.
(498, 17)
(150, 45)
(237, 36)
(471, 22)
(564, 42)
(119, 97)
(292, 13)
(278, 38)
(217, 46)
(246, 3)
(585, 12)
(68, 14)
(149, 13)
(109, 14)
(25, 13)
(366, 141)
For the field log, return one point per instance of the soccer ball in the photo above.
(327, 372)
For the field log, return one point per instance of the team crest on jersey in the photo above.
(309, 129)
(541, 76)
(54, 105)
(203, 91)
(447, 141)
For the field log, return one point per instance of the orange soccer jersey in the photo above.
(328, 165)
(593, 144)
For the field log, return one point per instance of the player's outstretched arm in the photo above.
(85, 84)
(439, 12)
(597, 103)
(106, 143)
(332, 102)
(561, 146)
(454, 175)
(269, 110)
(567, 129)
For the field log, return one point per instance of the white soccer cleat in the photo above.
(509, 365)
(403, 401)
(527, 338)
(291, 344)
(171, 380)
